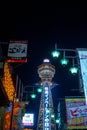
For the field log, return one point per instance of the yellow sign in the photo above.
(76, 112)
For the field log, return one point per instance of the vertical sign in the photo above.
(17, 51)
(83, 66)
(46, 108)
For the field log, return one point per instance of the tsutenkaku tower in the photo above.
(46, 119)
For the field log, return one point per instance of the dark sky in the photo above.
(43, 26)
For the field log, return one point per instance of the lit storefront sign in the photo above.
(28, 119)
(76, 113)
(83, 65)
(46, 108)
(17, 51)
(8, 82)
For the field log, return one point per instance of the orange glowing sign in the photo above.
(7, 82)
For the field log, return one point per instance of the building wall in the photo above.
(2, 115)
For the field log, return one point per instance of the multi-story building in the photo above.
(10, 109)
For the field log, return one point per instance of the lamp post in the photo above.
(26, 89)
(65, 60)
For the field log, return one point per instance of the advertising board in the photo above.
(28, 119)
(76, 112)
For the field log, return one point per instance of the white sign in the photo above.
(80, 111)
(17, 50)
(83, 64)
(28, 119)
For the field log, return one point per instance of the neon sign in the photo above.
(46, 108)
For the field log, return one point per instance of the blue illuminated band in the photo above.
(46, 108)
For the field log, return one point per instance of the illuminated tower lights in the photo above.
(46, 72)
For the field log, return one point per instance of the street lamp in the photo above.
(57, 121)
(55, 53)
(32, 92)
(39, 90)
(73, 69)
(33, 95)
(52, 115)
(65, 60)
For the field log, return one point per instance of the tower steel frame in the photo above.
(46, 72)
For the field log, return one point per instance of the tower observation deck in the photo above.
(46, 72)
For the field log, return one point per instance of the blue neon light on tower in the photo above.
(46, 72)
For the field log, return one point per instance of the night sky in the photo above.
(43, 26)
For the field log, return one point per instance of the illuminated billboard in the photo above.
(28, 119)
(82, 54)
(76, 113)
(17, 51)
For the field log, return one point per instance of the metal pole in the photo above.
(56, 46)
(19, 89)
(12, 113)
(17, 83)
(21, 93)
